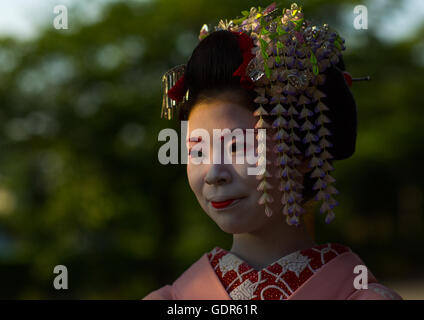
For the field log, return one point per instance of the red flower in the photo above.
(246, 46)
(348, 78)
(178, 91)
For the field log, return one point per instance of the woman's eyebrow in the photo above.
(194, 139)
(198, 139)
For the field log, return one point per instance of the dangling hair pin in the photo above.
(174, 91)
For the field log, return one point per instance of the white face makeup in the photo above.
(215, 185)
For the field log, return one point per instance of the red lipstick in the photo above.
(222, 204)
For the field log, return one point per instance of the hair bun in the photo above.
(343, 114)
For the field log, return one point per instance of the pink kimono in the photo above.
(323, 272)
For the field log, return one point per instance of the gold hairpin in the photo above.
(168, 81)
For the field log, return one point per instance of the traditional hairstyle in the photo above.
(290, 74)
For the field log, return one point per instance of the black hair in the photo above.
(209, 73)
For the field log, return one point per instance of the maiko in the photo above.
(184, 310)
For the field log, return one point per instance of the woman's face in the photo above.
(213, 183)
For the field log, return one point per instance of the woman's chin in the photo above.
(232, 229)
(235, 226)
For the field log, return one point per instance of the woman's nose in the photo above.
(217, 174)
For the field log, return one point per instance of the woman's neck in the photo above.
(262, 247)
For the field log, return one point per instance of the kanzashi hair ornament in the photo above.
(349, 79)
(284, 61)
(174, 91)
(246, 45)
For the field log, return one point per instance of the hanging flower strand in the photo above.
(264, 186)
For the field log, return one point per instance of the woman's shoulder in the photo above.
(164, 293)
(194, 283)
(365, 284)
(343, 275)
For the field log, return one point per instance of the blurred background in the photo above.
(80, 181)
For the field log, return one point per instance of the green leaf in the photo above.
(338, 45)
(280, 45)
(267, 71)
(263, 43)
(313, 58)
(264, 31)
(245, 13)
(238, 21)
(315, 69)
(281, 31)
(273, 35)
(298, 24)
(277, 58)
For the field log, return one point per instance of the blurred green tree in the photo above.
(81, 186)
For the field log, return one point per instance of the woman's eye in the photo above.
(196, 154)
(234, 147)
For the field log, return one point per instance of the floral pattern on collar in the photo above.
(279, 280)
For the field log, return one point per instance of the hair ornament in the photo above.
(174, 91)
